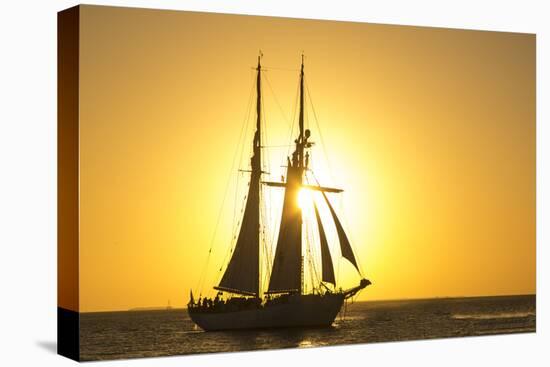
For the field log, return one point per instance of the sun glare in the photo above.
(305, 198)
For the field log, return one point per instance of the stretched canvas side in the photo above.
(68, 345)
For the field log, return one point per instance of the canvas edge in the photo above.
(68, 45)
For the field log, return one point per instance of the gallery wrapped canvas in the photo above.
(231, 183)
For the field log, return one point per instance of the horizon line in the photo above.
(164, 308)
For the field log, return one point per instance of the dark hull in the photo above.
(297, 311)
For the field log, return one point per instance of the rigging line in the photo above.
(264, 273)
(306, 114)
(307, 257)
(266, 217)
(243, 145)
(267, 270)
(234, 238)
(313, 253)
(233, 245)
(318, 256)
(273, 234)
(234, 235)
(319, 129)
(267, 222)
(212, 241)
(275, 146)
(277, 101)
(203, 274)
(245, 127)
(235, 201)
(294, 118)
(350, 235)
(338, 271)
(270, 220)
(263, 133)
(263, 207)
(360, 268)
(311, 270)
(237, 223)
(330, 243)
(269, 240)
(267, 249)
(276, 68)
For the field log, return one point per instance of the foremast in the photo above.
(286, 275)
(242, 275)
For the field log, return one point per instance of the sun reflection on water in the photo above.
(306, 344)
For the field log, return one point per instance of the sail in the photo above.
(286, 274)
(326, 260)
(243, 272)
(345, 246)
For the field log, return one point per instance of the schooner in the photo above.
(285, 303)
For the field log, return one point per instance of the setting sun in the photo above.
(305, 199)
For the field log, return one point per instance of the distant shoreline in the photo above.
(153, 308)
(148, 309)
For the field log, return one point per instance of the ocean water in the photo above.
(131, 334)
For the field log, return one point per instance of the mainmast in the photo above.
(287, 270)
(242, 275)
(300, 145)
(257, 148)
(286, 275)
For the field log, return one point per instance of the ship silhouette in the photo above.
(241, 303)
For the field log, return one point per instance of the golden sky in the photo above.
(430, 132)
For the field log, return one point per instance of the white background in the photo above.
(28, 182)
